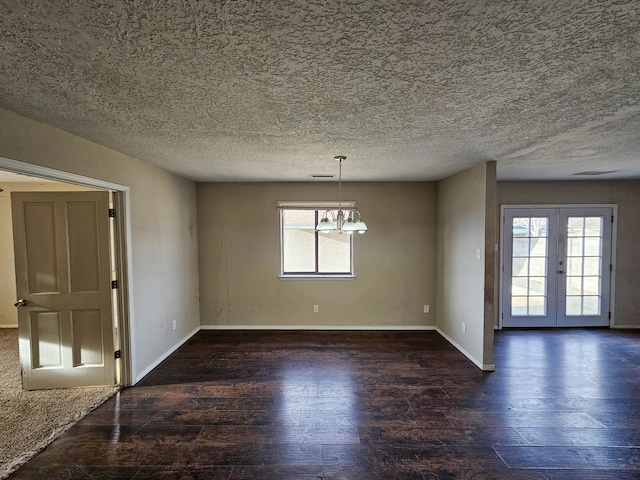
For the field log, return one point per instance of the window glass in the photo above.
(308, 252)
(334, 252)
(298, 240)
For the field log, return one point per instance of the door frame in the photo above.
(614, 237)
(123, 261)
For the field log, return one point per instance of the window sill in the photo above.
(316, 277)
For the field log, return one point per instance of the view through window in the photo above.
(307, 252)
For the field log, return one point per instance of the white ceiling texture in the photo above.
(272, 90)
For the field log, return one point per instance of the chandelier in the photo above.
(353, 222)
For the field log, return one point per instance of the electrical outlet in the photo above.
(464, 328)
(316, 308)
(426, 309)
(174, 324)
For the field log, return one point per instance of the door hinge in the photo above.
(114, 284)
(117, 354)
(611, 267)
(609, 315)
(611, 218)
(112, 213)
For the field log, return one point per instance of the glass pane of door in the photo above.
(529, 265)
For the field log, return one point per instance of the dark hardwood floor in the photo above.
(563, 404)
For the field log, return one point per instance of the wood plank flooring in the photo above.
(563, 404)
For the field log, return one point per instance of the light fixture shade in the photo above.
(349, 226)
(325, 225)
(361, 227)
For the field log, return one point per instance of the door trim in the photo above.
(614, 242)
(122, 233)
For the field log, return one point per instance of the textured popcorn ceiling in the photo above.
(272, 90)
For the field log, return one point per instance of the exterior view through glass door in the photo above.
(556, 267)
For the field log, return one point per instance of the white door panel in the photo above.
(61, 242)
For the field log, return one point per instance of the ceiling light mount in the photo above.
(353, 222)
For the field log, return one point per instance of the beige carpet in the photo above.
(29, 421)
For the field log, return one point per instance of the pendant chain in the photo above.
(340, 186)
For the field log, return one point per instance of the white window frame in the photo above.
(319, 206)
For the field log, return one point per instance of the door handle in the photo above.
(562, 272)
(21, 303)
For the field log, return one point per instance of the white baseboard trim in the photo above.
(487, 367)
(9, 325)
(625, 327)
(317, 327)
(164, 356)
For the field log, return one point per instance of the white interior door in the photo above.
(556, 267)
(61, 242)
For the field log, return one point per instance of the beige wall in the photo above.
(9, 313)
(164, 229)
(239, 241)
(624, 193)
(465, 292)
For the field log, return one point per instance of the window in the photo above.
(307, 253)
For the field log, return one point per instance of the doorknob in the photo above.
(562, 272)
(21, 303)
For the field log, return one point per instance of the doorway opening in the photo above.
(557, 266)
(118, 240)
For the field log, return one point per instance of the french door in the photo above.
(556, 267)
